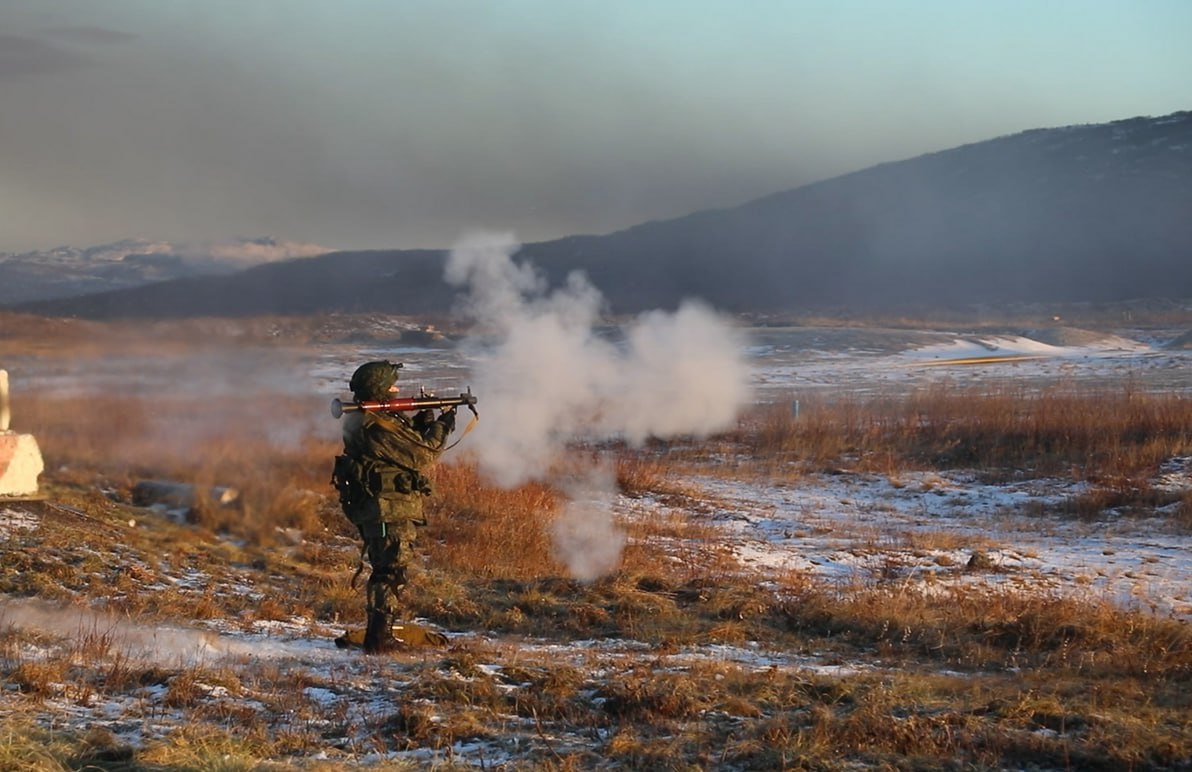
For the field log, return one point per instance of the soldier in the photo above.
(381, 485)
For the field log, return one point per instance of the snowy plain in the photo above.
(834, 525)
(846, 528)
(849, 526)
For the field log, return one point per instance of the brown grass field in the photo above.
(544, 671)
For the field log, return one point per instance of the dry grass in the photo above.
(1114, 438)
(965, 679)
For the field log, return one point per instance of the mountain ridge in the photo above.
(1092, 212)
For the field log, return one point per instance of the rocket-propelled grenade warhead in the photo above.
(403, 404)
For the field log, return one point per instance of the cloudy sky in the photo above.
(405, 123)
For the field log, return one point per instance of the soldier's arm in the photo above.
(436, 432)
(386, 443)
(403, 445)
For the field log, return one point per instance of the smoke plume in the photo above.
(164, 645)
(584, 536)
(547, 375)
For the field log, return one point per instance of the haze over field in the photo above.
(399, 125)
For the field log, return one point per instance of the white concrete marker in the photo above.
(5, 413)
(20, 458)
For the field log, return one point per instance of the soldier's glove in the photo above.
(447, 418)
(424, 417)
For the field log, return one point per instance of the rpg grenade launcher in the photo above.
(402, 404)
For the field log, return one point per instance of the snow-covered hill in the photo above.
(67, 271)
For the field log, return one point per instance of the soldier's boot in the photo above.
(378, 636)
(407, 635)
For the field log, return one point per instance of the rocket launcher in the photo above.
(402, 404)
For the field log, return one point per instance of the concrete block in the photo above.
(20, 464)
(5, 411)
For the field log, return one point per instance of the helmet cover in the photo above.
(372, 380)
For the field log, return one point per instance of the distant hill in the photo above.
(1081, 213)
(71, 271)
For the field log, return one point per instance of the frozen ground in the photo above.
(868, 361)
(859, 527)
(843, 524)
(785, 361)
(856, 528)
(840, 526)
(921, 532)
(918, 532)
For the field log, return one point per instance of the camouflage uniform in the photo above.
(381, 487)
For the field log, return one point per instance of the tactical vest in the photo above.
(358, 480)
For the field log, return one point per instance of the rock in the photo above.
(979, 561)
(178, 498)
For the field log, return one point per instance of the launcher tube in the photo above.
(403, 404)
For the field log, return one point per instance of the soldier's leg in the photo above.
(388, 576)
(382, 550)
(389, 551)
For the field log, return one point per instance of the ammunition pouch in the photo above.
(385, 481)
(348, 478)
(356, 481)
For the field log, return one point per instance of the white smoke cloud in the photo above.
(546, 376)
(164, 645)
(584, 536)
(259, 250)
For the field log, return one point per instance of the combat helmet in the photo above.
(372, 380)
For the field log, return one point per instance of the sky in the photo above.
(409, 123)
